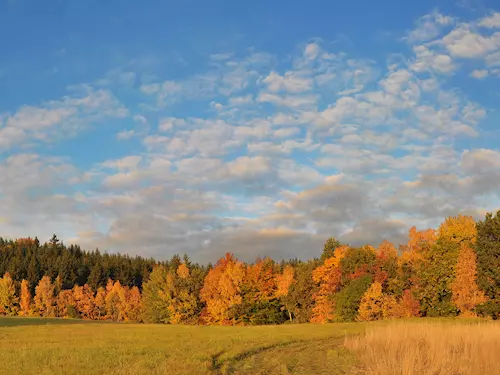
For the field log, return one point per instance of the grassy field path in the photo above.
(40, 346)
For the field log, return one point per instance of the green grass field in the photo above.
(63, 346)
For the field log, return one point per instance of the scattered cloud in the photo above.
(263, 154)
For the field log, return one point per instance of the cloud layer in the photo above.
(262, 154)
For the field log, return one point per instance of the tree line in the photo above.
(453, 270)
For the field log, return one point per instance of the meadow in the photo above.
(408, 347)
(65, 346)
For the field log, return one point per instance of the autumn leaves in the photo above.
(451, 271)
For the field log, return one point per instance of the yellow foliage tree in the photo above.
(115, 299)
(458, 229)
(8, 299)
(183, 271)
(222, 290)
(371, 306)
(44, 297)
(466, 293)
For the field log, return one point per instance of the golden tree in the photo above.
(66, 304)
(84, 299)
(371, 306)
(8, 299)
(132, 306)
(115, 299)
(466, 293)
(283, 283)
(25, 306)
(99, 312)
(183, 271)
(44, 297)
(458, 229)
(221, 290)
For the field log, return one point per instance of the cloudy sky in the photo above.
(258, 127)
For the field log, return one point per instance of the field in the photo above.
(421, 347)
(61, 346)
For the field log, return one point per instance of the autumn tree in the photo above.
(260, 303)
(84, 301)
(222, 290)
(132, 309)
(466, 294)
(66, 304)
(409, 306)
(171, 295)
(99, 312)
(44, 297)
(371, 306)
(328, 278)
(115, 298)
(438, 269)
(284, 281)
(8, 299)
(155, 296)
(357, 262)
(25, 303)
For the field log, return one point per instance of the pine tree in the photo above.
(488, 263)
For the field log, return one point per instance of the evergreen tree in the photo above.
(488, 263)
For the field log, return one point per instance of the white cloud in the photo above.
(466, 43)
(58, 119)
(429, 27)
(479, 73)
(427, 60)
(491, 22)
(290, 82)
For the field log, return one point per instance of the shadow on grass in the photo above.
(34, 321)
(228, 365)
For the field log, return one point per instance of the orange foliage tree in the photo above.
(328, 276)
(221, 290)
(66, 304)
(25, 307)
(466, 293)
(283, 283)
(84, 301)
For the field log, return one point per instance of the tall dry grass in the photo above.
(409, 348)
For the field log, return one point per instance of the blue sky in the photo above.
(260, 128)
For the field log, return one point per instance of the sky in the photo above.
(259, 128)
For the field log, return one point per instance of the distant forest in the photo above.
(453, 270)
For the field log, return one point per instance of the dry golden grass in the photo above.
(409, 348)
